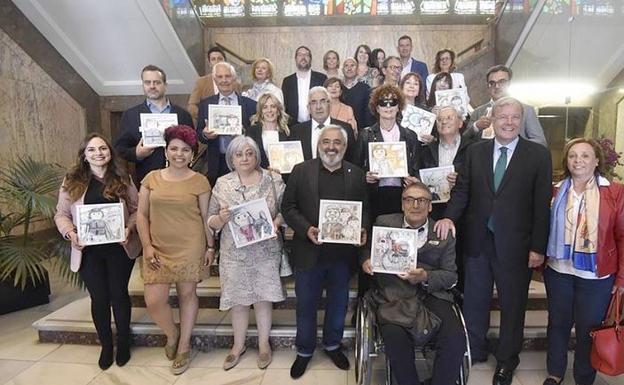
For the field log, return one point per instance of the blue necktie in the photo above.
(499, 172)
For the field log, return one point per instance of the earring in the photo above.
(166, 162)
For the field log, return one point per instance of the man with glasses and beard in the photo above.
(318, 266)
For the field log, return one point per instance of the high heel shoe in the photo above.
(172, 350)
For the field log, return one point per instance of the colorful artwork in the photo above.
(251, 223)
(388, 159)
(435, 179)
(283, 156)
(263, 8)
(393, 250)
(340, 221)
(418, 120)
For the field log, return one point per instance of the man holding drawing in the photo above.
(322, 264)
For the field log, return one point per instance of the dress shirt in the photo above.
(269, 137)
(316, 132)
(423, 232)
(303, 87)
(407, 68)
(155, 110)
(446, 153)
(232, 100)
(394, 135)
(511, 147)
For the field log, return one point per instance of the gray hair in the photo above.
(507, 101)
(238, 144)
(226, 65)
(460, 115)
(330, 127)
(318, 89)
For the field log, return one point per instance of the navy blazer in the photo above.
(303, 133)
(129, 138)
(421, 69)
(291, 94)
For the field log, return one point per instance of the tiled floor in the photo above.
(24, 361)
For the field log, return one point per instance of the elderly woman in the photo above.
(445, 62)
(366, 71)
(585, 254)
(262, 74)
(331, 63)
(268, 125)
(95, 178)
(337, 109)
(177, 246)
(249, 274)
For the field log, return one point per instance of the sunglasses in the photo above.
(388, 102)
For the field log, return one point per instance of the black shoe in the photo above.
(338, 358)
(552, 381)
(106, 357)
(299, 366)
(123, 354)
(502, 376)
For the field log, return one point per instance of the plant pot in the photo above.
(14, 298)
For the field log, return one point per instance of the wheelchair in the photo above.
(369, 344)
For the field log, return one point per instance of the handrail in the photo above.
(475, 46)
(232, 53)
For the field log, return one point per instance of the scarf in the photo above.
(580, 242)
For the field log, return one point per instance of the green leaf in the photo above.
(22, 261)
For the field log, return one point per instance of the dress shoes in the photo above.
(231, 360)
(338, 358)
(299, 366)
(502, 376)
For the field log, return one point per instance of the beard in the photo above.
(304, 67)
(331, 161)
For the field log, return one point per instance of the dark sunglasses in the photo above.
(388, 102)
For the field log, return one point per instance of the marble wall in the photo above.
(37, 117)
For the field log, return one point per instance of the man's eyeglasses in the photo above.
(500, 83)
(419, 201)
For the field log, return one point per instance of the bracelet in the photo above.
(211, 249)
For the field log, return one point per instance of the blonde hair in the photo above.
(282, 116)
(254, 65)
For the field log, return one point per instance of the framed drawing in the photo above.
(99, 224)
(153, 128)
(388, 159)
(418, 120)
(225, 120)
(435, 179)
(393, 250)
(251, 222)
(283, 156)
(340, 221)
(456, 97)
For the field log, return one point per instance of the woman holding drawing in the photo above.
(97, 178)
(177, 246)
(249, 271)
(268, 125)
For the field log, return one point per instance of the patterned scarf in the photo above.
(578, 243)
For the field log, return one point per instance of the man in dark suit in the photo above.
(225, 77)
(295, 86)
(504, 194)
(409, 64)
(322, 265)
(356, 94)
(129, 144)
(308, 132)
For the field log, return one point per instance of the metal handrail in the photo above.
(475, 46)
(232, 53)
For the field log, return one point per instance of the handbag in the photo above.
(285, 270)
(607, 354)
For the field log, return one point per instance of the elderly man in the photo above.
(391, 70)
(129, 143)
(322, 265)
(498, 81)
(225, 77)
(433, 276)
(295, 86)
(504, 194)
(356, 94)
(409, 64)
(309, 131)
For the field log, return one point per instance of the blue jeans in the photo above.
(334, 276)
(578, 302)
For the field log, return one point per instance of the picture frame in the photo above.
(435, 179)
(418, 120)
(456, 97)
(225, 120)
(388, 159)
(393, 250)
(99, 224)
(283, 156)
(251, 222)
(153, 128)
(340, 221)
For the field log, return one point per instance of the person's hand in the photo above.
(414, 275)
(452, 179)
(426, 138)
(276, 226)
(143, 152)
(619, 289)
(149, 257)
(208, 133)
(274, 169)
(371, 177)
(435, 110)
(483, 122)
(225, 214)
(442, 228)
(209, 256)
(363, 237)
(367, 267)
(408, 180)
(535, 259)
(312, 235)
(73, 237)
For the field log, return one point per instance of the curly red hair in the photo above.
(182, 132)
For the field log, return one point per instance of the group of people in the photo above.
(498, 226)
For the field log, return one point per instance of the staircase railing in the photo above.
(189, 28)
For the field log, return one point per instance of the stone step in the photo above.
(73, 324)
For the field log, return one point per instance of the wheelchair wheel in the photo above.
(467, 361)
(363, 344)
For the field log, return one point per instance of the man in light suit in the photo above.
(498, 80)
(322, 265)
(295, 86)
(409, 64)
(225, 77)
(504, 194)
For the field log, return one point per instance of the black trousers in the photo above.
(450, 345)
(106, 273)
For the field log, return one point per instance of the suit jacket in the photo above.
(303, 133)
(357, 97)
(255, 132)
(519, 208)
(248, 108)
(531, 128)
(300, 208)
(420, 68)
(129, 137)
(66, 221)
(291, 94)
(373, 134)
(204, 87)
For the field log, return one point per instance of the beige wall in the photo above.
(37, 117)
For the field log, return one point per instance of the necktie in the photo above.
(226, 100)
(499, 170)
(224, 140)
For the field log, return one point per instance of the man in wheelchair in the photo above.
(410, 306)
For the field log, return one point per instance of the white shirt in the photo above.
(394, 135)
(233, 99)
(407, 68)
(316, 132)
(269, 137)
(423, 232)
(446, 153)
(303, 87)
(511, 147)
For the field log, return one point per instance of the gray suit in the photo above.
(531, 128)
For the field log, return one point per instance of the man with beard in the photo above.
(295, 86)
(317, 265)
(129, 144)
